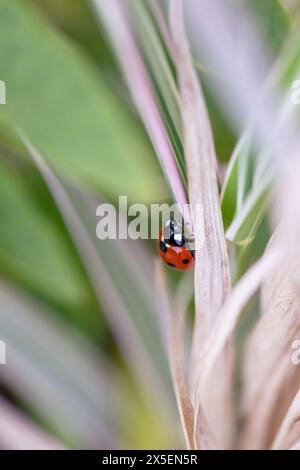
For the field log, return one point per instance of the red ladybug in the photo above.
(174, 247)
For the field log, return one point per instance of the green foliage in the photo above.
(246, 187)
(35, 250)
(31, 245)
(57, 98)
(273, 21)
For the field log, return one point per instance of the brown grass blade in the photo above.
(270, 379)
(203, 440)
(288, 436)
(212, 276)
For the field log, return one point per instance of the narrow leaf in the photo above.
(268, 354)
(174, 315)
(288, 435)
(57, 373)
(114, 17)
(17, 432)
(131, 318)
(212, 277)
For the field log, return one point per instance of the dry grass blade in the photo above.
(289, 431)
(203, 440)
(212, 276)
(268, 354)
(175, 314)
(175, 321)
(17, 432)
(231, 311)
(209, 360)
(295, 446)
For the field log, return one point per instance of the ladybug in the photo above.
(174, 246)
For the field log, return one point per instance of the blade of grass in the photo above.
(163, 26)
(288, 434)
(230, 312)
(246, 103)
(114, 17)
(175, 322)
(268, 353)
(203, 437)
(159, 65)
(18, 432)
(212, 277)
(231, 183)
(244, 226)
(161, 74)
(131, 318)
(58, 373)
(175, 312)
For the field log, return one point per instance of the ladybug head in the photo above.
(173, 232)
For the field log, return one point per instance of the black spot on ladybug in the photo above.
(185, 261)
(163, 247)
(172, 265)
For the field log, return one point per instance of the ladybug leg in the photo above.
(163, 246)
